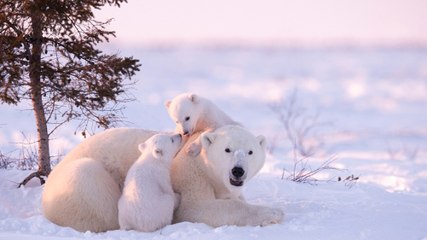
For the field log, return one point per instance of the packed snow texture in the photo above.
(367, 109)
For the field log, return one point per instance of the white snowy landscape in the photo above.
(365, 109)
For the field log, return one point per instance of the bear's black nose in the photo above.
(238, 172)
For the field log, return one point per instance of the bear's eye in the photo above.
(187, 118)
(250, 152)
(227, 150)
(172, 140)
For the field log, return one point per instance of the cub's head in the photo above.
(184, 110)
(232, 155)
(162, 146)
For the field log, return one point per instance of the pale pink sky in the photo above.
(270, 21)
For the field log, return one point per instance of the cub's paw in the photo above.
(193, 149)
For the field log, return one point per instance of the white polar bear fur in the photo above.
(203, 181)
(83, 190)
(147, 202)
(193, 113)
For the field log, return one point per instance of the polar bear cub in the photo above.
(193, 113)
(148, 201)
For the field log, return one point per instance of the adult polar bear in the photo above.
(210, 183)
(83, 189)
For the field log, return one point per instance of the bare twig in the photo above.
(28, 157)
(303, 173)
(402, 153)
(349, 181)
(299, 128)
(5, 161)
(24, 158)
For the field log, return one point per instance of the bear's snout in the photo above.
(237, 176)
(238, 172)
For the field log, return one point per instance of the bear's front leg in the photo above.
(219, 212)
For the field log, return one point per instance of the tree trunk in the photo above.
(44, 167)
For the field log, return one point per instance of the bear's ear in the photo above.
(193, 97)
(157, 153)
(168, 103)
(262, 141)
(141, 147)
(207, 138)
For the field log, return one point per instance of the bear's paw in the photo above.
(271, 216)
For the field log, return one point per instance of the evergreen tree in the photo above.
(48, 56)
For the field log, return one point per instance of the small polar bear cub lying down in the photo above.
(193, 113)
(148, 201)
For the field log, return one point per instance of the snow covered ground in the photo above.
(371, 108)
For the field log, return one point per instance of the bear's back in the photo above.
(116, 149)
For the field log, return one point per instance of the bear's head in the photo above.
(232, 155)
(161, 146)
(184, 109)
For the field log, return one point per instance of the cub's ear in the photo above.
(168, 103)
(207, 138)
(261, 140)
(193, 97)
(157, 153)
(141, 147)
